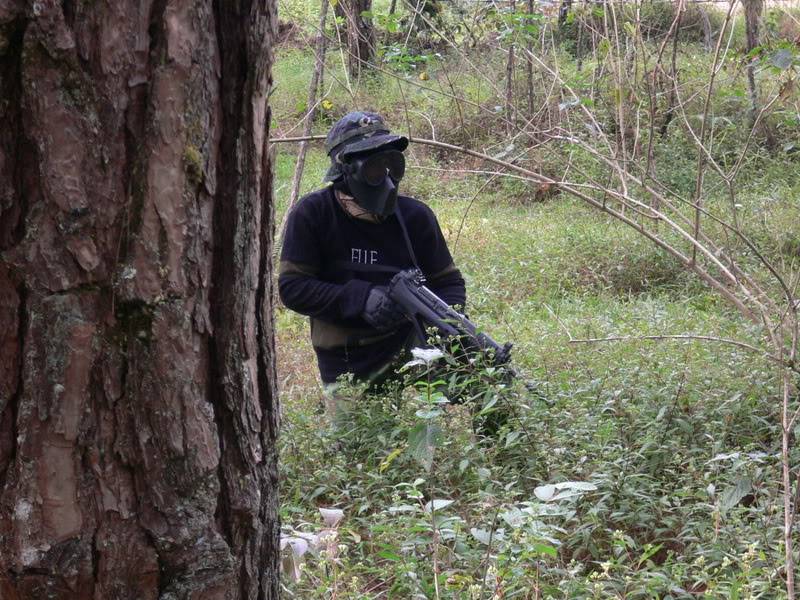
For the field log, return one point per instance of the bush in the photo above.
(782, 24)
(655, 20)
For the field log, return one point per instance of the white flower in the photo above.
(424, 356)
(331, 516)
(298, 545)
(293, 562)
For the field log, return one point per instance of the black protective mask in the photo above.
(373, 179)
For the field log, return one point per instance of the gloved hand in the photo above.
(380, 311)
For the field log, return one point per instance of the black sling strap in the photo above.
(405, 236)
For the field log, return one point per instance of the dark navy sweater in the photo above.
(330, 261)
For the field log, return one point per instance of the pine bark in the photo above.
(138, 407)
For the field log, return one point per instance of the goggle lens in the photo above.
(374, 168)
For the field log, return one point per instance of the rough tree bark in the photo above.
(138, 412)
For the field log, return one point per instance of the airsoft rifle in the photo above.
(426, 310)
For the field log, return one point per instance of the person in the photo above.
(344, 243)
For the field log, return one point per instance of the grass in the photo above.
(675, 440)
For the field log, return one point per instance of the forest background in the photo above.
(618, 184)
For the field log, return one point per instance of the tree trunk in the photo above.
(708, 35)
(672, 95)
(138, 408)
(529, 60)
(387, 35)
(510, 109)
(360, 34)
(563, 12)
(752, 21)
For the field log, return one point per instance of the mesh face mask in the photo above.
(373, 180)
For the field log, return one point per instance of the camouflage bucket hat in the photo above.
(358, 132)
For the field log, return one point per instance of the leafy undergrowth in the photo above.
(635, 482)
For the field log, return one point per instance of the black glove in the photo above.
(380, 311)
